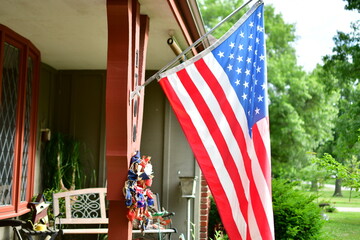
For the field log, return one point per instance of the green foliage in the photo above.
(314, 174)
(213, 11)
(219, 235)
(280, 35)
(345, 59)
(296, 215)
(48, 195)
(348, 171)
(352, 5)
(302, 110)
(62, 166)
(301, 113)
(343, 66)
(348, 123)
(331, 165)
(343, 70)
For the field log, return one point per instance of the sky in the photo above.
(317, 22)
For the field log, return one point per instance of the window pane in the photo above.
(9, 89)
(26, 129)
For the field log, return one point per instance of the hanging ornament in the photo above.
(138, 196)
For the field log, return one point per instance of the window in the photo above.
(19, 72)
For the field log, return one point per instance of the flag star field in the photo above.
(242, 56)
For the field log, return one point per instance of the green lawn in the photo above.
(326, 195)
(342, 225)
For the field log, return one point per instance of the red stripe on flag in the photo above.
(201, 153)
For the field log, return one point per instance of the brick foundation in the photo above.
(204, 209)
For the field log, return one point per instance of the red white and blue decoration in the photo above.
(138, 196)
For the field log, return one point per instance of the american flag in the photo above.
(220, 100)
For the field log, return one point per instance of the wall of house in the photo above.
(80, 113)
(73, 103)
(6, 233)
(48, 77)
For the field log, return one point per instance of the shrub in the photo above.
(296, 216)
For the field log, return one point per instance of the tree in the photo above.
(349, 171)
(352, 4)
(300, 113)
(343, 65)
(314, 174)
(213, 11)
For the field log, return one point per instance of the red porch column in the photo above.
(125, 68)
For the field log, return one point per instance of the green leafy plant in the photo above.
(192, 230)
(219, 235)
(48, 195)
(296, 215)
(62, 168)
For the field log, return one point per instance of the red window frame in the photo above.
(27, 49)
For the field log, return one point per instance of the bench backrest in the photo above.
(84, 206)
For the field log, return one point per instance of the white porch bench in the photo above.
(87, 207)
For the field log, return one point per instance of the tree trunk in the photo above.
(314, 186)
(338, 192)
(350, 195)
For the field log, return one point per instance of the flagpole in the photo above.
(156, 75)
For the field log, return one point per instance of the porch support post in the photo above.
(127, 45)
(122, 138)
(118, 115)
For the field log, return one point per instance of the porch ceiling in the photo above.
(73, 34)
